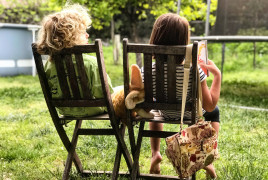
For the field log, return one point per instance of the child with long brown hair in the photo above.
(172, 29)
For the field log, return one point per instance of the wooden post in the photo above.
(207, 19)
(112, 30)
(254, 55)
(178, 7)
(222, 58)
(116, 49)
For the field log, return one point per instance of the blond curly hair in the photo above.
(63, 29)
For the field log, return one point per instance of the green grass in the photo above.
(31, 149)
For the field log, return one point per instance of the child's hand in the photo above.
(211, 67)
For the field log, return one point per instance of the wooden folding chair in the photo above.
(162, 101)
(77, 94)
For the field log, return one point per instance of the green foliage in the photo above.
(135, 11)
(101, 11)
(254, 31)
(213, 8)
(197, 9)
(239, 56)
(26, 12)
(130, 14)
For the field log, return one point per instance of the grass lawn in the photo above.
(31, 149)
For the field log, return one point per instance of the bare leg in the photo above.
(210, 171)
(155, 149)
(216, 126)
(210, 168)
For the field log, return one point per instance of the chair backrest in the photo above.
(159, 94)
(70, 69)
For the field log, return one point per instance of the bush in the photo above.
(239, 56)
(26, 12)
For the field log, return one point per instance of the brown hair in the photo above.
(170, 29)
(63, 29)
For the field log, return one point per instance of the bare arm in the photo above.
(212, 95)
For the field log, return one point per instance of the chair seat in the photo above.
(66, 119)
(97, 117)
(160, 119)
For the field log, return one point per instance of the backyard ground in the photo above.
(31, 149)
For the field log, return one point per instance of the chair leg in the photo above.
(118, 155)
(66, 142)
(71, 151)
(117, 163)
(122, 144)
(131, 138)
(135, 169)
(78, 163)
(194, 176)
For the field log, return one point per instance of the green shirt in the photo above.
(92, 71)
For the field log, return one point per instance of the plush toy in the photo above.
(135, 96)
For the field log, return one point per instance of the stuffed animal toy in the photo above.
(135, 96)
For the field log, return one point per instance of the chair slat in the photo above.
(104, 81)
(164, 106)
(194, 81)
(126, 91)
(82, 76)
(148, 86)
(97, 117)
(72, 76)
(159, 72)
(171, 79)
(163, 120)
(79, 103)
(101, 131)
(41, 73)
(62, 76)
(158, 134)
(103, 76)
(156, 49)
(78, 49)
(126, 67)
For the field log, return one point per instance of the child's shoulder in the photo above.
(91, 60)
(49, 65)
(89, 57)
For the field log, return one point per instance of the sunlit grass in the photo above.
(30, 147)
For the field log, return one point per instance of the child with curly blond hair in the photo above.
(66, 29)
